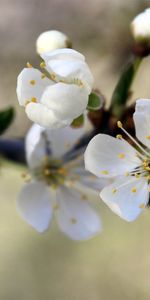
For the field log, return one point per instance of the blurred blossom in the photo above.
(52, 40)
(109, 157)
(60, 185)
(57, 96)
(140, 27)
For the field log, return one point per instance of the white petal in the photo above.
(73, 71)
(34, 205)
(126, 197)
(65, 100)
(30, 85)
(63, 139)
(86, 180)
(76, 218)
(106, 156)
(67, 54)
(44, 116)
(142, 121)
(35, 145)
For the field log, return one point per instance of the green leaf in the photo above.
(78, 122)
(6, 118)
(122, 89)
(94, 102)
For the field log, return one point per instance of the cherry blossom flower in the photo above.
(58, 95)
(128, 166)
(60, 185)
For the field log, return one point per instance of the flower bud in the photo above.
(52, 40)
(140, 28)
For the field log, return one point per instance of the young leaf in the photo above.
(78, 122)
(6, 117)
(122, 89)
(94, 102)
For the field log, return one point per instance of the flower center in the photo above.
(51, 171)
(142, 153)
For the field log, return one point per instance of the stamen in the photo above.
(119, 124)
(29, 65)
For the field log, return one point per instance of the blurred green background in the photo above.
(116, 264)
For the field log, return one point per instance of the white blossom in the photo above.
(128, 166)
(60, 186)
(51, 40)
(140, 27)
(54, 98)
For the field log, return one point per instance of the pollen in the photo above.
(105, 172)
(121, 155)
(32, 82)
(73, 220)
(34, 100)
(119, 124)
(137, 176)
(52, 76)
(114, 191)
(119, 136)
(42, 65)
(142, 205)
(29, 65)
(134, 190)
(148, 137)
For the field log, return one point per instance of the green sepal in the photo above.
(6, 118)
(95, 102)
(78, 122)
(122, 90)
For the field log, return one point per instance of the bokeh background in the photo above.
(115, 264)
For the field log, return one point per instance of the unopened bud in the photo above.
(140, 27)
(51, 40)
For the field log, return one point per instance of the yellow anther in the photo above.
(42, 65)
(105, 172)
(34, 100)
(29, 65)
(149, 189)
(121, 155)
(52, 76)
(119, 124)
(114, 191)
(148, 177)
(73, 220)
(137, 176)
(119, 136)
(142, 205)
(134, 190)
(126, 173)
(32, 81)
(148, 137)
